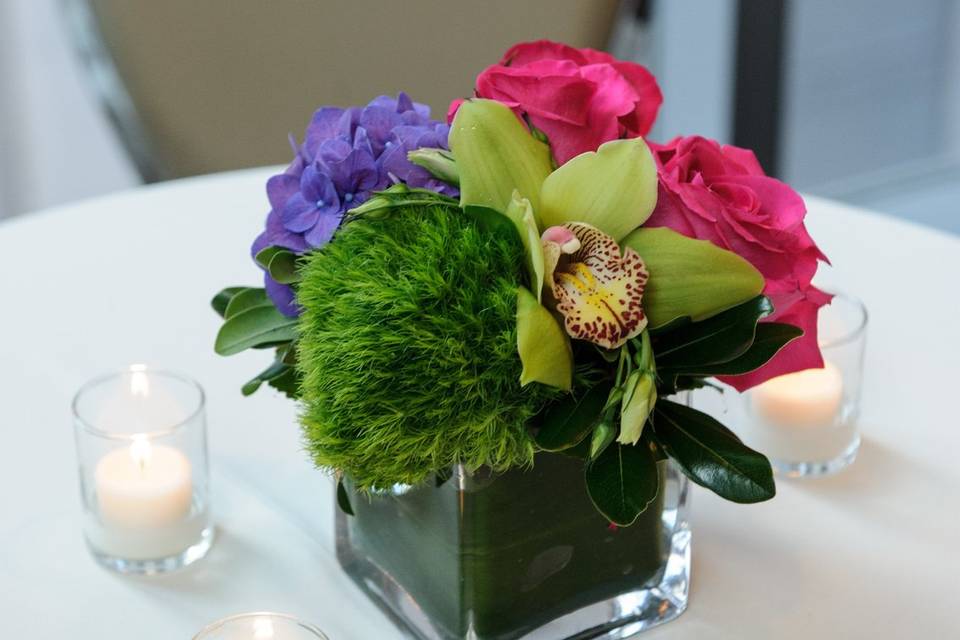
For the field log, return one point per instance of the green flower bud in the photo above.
(439, 162)
(640, 395)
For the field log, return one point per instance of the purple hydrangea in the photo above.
(346, 155)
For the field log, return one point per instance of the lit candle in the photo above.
(144, 490)
(805, 399)
(144, 485)
(799, 418)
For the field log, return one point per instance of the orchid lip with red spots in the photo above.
(599, 290)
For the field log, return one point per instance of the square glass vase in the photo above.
(521, 554)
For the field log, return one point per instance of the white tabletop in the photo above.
(872, 552)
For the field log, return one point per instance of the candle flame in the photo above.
(141, 451)
(139, 382)
(263, 628)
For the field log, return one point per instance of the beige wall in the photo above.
(220, 83)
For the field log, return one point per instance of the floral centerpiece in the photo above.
(490, 324)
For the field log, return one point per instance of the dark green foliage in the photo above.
(256, 326)
(720, 338)
(408, 348)
(343, 498)
(622, 481)
(713, 456)
(281, 264)
(281, 374)
(223, 298)
(769, 339)
(566, 423)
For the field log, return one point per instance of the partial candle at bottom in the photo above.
(261, 625)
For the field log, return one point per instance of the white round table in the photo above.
(871, 552)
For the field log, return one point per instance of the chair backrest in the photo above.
(218, 84)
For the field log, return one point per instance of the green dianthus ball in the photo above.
(408, 348)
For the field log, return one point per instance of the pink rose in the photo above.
(580, 98)
(721, 194)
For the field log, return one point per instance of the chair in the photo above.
(195, 87)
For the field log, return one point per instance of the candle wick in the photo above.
(140, 451)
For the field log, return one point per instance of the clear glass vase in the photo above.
(522, 554)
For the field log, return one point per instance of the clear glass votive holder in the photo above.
(144, 481)
(260, 626)
(806, 422)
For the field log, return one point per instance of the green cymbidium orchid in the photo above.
(613, 189)
(596, 286)
(608, 193)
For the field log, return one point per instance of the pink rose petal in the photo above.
(719, 193)
(579, 98)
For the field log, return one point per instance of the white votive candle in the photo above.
(143, 486)
(805, 399)
(141, 445)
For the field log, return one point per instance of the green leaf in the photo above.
(543, 345)
(613, 188)
(220, 301)
(711, 455)
(770, 338)
(670, 326)
(343, 498)
(439, 162)
(441, 477)
(396, 196)
(603, 436)
(650, 441)
(283, 267)
(253, 327)
(496, 154)
(690, 277)
(671, 383)
(287, 383)
(566, 423)
(275, 370)
(720, 338)
(288, 354)
(580, 451)
(266, 254)
(622, 482)
(247, 299)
